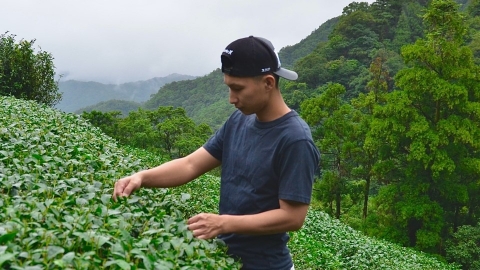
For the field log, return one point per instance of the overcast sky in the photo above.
(116, 41)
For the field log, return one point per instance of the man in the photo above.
(268, 163)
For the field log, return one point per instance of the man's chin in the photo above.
(245, 111)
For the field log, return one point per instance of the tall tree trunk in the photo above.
(365, 198)
(455, 218)
(337, 201)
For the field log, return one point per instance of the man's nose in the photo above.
(232, 98)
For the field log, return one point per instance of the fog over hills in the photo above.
(80, 94)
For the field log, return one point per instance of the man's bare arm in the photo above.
(289, 217)
(173, 173)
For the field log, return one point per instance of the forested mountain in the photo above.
(290, 54)
(122, 106)
(206, 98)
(340, 50)
(79, 94)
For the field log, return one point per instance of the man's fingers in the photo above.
(120, 189)
(128, 189)
(204, 226)
(193, 226)
(117, 190)
(194, 219)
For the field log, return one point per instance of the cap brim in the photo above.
(287, 74)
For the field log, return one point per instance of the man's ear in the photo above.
(269, 81)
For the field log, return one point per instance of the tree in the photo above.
(25, 73)
(355, 6)
(166, 130)
(464, 247)
(176, 131)
(378, 87)
(107, 122)
(409, 26)
(354, 37)
(473, 8)
(386, 14)
(426, 132)
(137, 130)
(333, 131)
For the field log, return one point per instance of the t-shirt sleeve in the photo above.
(297, 167)
(214, 145)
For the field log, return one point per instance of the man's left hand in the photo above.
(205, 226)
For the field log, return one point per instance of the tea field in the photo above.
(56, 179)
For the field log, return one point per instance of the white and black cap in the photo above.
(253, 56)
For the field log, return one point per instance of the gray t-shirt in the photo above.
(263, 162)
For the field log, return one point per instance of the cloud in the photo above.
(119, 41)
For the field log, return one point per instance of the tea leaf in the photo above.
(6, 257)
(53, 251)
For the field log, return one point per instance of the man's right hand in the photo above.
(127, 185)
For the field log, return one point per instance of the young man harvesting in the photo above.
(268, 161)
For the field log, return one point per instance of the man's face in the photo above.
(249, 95)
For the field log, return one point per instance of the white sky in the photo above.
(116, 41)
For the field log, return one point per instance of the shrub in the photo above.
(464, 247)
(56, 212)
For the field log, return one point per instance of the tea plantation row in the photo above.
(56, 212)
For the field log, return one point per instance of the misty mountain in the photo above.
(80, 94)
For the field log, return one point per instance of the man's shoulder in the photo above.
(296, 126)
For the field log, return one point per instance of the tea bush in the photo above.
(323, 242)
(56, 212)
(56, 179)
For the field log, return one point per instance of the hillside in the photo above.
(206, 98)
(57, 176)
(340, 50)
(290, 54)
(79, 94)
(123, 106)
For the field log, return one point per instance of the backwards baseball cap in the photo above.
(253, 56)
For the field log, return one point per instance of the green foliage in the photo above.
(122, 106)
(290, 54)
(334, 133)
(473, 7)
(464, 247)
(194, 96)
(25, 73)
(360, 33)
(325, 243)
(354, 7)
(354, 36)
(295, 93)
(165, 130)
(57, 176)
(386, 14)
(425, 134)
(107, 122)
(409, 27)
(56, 212)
